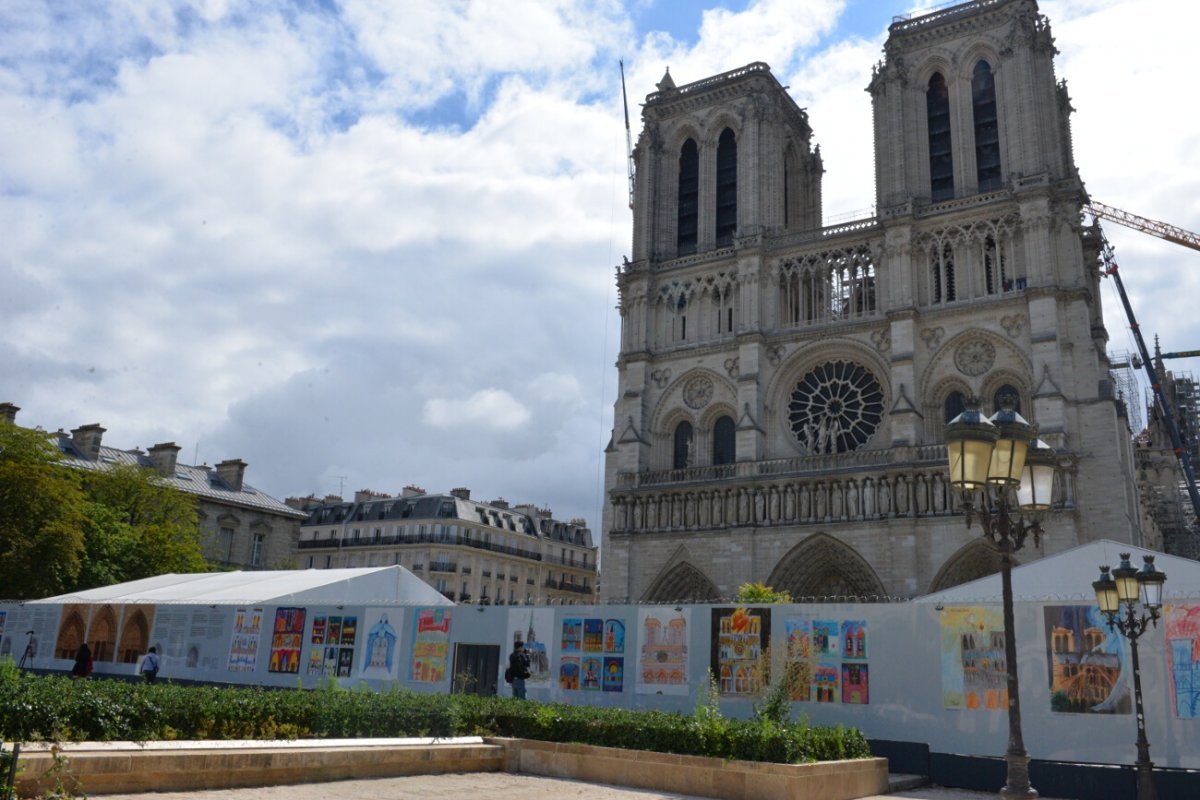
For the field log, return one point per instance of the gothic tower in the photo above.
(784, 386)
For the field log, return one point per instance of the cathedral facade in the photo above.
(783, 386)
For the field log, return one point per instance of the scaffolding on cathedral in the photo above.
(1125, 384)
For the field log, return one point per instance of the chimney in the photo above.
(163, 457)
(87, 440)
(462, 493)
(232, 472)
(412, 491)
(8, 413)
(499, 502)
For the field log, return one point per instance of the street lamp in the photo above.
(1000, 462)
(1124, 587)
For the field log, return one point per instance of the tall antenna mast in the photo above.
(628, 135)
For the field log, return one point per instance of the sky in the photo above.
(363, 245)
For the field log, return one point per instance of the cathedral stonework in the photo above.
(783, 386)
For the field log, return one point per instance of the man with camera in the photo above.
(518, 668)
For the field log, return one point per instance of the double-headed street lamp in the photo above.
(1117, 595)
(999, 464)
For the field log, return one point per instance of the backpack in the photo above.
(508, 674)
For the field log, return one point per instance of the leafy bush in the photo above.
(58, 708)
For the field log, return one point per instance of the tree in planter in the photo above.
(761, 593)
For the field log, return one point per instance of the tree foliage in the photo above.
(62, 530)
(761, 593)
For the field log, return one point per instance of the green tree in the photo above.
(41, 516)
(761, 593)
(138, 527)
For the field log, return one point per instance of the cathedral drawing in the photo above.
(783, 386)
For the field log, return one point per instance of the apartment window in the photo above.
(355, 534)
(256, 550)
(226, 543)
(328, 561)
(310, 562)
(441, 585)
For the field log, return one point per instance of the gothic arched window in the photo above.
(994, 267)
(955, 404)
(942, 274)
(726, 187)
(941, 160)
(1007, 390)
(689, 197)
(682, 450)
(724, 442)
(987, 129)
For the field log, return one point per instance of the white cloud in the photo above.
(487, 408)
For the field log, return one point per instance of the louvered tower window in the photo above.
(689, 197)
(726, 188)
(987, 129)
(941, 161)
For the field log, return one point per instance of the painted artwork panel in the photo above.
(593, 636)
(380, 660)
(568, 673)
(102, 632)
(286, 638)
(662, 665)
(825, 682)
(137, 623)
(826, 639)
(591, 670)
(430, 645)
(974, 676)
(243, 644)
(72, 630)
(535, 627)
(572, 636)
(1181, 627)
(614, 674)
(1089, 673)
(855, 683)
(740, 639)
(854, 639)
(614, 636)
(798, 658)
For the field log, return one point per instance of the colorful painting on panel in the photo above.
(855, 684)
(825, 638)
(535, 628)
(379, 660)
(568, 673)
(593, 636)
(798, 655)
(572, 636)
(1088, 672)
(825, 683)
(590, 673)
(972, 651)
(1181, 626)
(430, 645)
(243, 646)
(662, 666)
(740, 638)
(286, 638)
(614, 674)
(854, 639)
(137, 620)
(614, 636)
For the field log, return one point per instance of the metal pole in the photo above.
(1145, 767)
(1017, 759)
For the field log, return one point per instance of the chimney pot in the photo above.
(462, 493)
(164, 456)
(232, 472)
(8, 413)
(87, 440)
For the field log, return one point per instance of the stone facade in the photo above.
(783, 386)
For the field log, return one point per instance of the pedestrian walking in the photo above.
(150, 665)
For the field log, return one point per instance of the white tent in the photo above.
(1069, 575)
(380, 586)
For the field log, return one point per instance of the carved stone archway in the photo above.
(681, 582)
(822, 566)
(978, 559)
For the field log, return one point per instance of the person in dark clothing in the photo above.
(83, 662)
(518, 662)
(150, 665)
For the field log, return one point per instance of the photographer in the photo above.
(518, 662)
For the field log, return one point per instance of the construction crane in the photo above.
(1178, 236)
(628, 135)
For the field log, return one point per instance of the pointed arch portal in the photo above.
(822, 566)
(682, 583)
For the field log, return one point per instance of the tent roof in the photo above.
(1069, 575)
(369, 586)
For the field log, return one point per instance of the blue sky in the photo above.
(363, 245)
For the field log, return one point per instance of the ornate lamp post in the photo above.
(1117, 595)
(1001, 465)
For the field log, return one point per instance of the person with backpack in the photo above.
(150, 665)
(518, 670)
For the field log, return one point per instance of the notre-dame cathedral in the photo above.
(784, 386)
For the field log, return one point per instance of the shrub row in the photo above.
(36, 708)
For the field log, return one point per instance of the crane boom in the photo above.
(628, 135)
(1160, 229)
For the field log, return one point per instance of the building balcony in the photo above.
(443, 566)
(445, 540)
(466, 570)
(487, 573)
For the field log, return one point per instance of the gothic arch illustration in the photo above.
(681, 582)
(975, 560)
(822, 566)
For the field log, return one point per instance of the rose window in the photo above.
(835, 408)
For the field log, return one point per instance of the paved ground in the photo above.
(480, 785)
